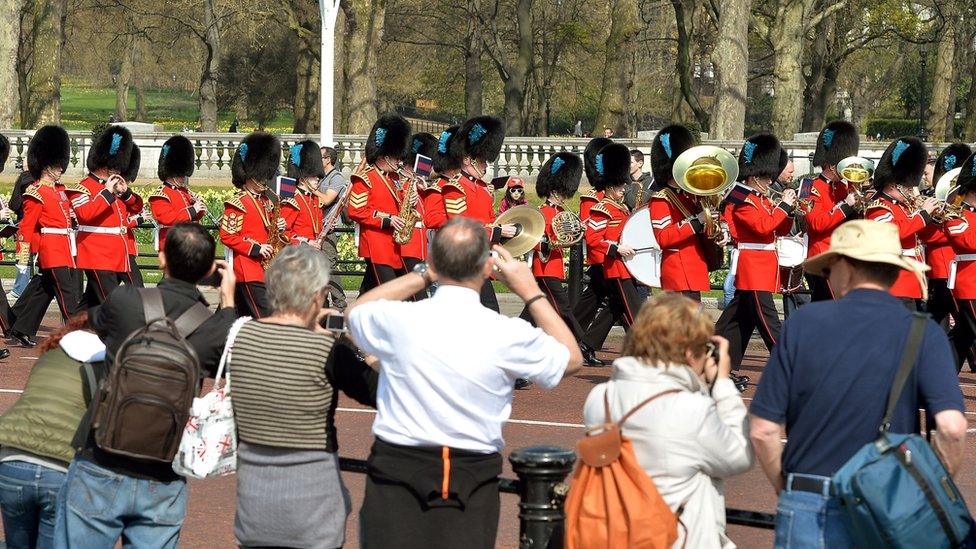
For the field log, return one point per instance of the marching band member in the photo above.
(374, 201)
(102, 203)
(130, 174)
(961, 233)
(756, 222)
(900, 169)
(677, 218)
(447, 167)
(173, 202)
(938, 251)
(46, 229)
(557, 182)
(477, 143)
(589, 198)
(303, 213)
(414, 251)
(249, 222)
(831, 200)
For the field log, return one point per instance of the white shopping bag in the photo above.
(209, 444)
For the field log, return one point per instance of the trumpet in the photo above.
(775, 195)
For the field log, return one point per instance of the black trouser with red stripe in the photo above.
(101, 283)
(135, 274)
(819, 288)
(963, 334)
(251, 299)
(376, 275)
(940, 303)
(624, 303)
(748, 311)
(558, 297)
(60, 283)
(592, 296)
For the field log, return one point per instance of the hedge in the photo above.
(890, 128)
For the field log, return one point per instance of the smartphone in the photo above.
(334, 323)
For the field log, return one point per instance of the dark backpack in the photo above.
(145, 400)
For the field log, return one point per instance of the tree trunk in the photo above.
(42, 42)
(821, 75)
(473, 77)
(9, 40)
(939, 121)
(208, 77)
(308, 33)
(684, 16)
(343, 35)
(616, 107)
(969, 127)
(518, 72)
(138, 83)
(122, 82)
(732, 63)
(366, 35)
(787, 39)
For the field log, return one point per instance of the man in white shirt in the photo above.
(448, 367)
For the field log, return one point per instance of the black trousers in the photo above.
(558, 297)
(409, 263)
(376, 275)
(251, 299)
(488, 297)
(819, 288)
(135, 274)
(693, 295)
(748, 311)
(593, 295)
(59, 283)
(963, 334)
(100, 284)
(940, 304)
(623, 302)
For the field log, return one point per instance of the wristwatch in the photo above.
(422, 270)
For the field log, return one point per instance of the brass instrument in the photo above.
(707, 172)
(856, 172)
(276, 236)
(568, 229)
(530, 226)
(945, 188)
(775, 195)
(408, 211)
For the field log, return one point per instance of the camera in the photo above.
(334, 323)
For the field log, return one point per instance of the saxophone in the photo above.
(276, 237)
(408, 213)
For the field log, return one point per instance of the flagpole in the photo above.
(329, 10)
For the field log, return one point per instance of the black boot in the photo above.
(741, 382)
(24, 339)
(589, 356)
(521, 383)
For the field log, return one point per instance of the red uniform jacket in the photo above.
(435, 216)
(103, 221)
(676, 229)
(550, 264)
(587, 200)
(603, 231)
(45, 224)
(961, 234)
(938, 251)
(756, 223)
(303, 217)
(888, 210)
(373, 199)
(171, 205)
(470, 197)
(243, 229)
(827, 212)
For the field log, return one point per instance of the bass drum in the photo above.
(645, 265)
(791, 250)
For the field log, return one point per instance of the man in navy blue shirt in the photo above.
(828, 378)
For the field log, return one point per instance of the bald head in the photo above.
(459, 250)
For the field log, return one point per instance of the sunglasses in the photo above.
(519, 191)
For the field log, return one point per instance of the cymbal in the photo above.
(530, 226)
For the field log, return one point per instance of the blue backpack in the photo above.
(895, 491)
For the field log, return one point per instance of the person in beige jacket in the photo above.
(687, 442)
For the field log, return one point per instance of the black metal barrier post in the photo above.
(541, 471)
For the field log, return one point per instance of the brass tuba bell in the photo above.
(706, 171)
(946, 192)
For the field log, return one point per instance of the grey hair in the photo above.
(459, 249)
(294, 277)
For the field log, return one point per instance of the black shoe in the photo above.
(521, 383)
(4, 353)
(589, 356)
(25, 340)
(741, 382)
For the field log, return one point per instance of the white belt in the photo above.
(909, 252)
(771, 247)
(51, 230)
(101, 230)
(70, 233)
(952, 267)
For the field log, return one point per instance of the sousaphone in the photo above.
(530, 225)
(706, 171)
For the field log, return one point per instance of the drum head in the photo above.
(791, 250)
(645, 265)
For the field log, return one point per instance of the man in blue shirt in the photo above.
(828, 378)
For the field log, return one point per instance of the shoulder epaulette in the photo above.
(361, 175)
(601, 208)
(159, 192)
(877, 204)
(34, 192)
(660, 194)
(75, 188)
(590, 194)
(290, 202)
(235, 202)
(452, 183)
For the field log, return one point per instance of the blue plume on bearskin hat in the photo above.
(594, 146)
(131, 172)
(176, 158)
(903, 163)
(49, 147)
(305, 160)
(967, 175)
(420, 143)
(760, 156)
(837, 140)
(388, 137)
(257, 157)
(444, 160)
(111, 150)
(612, 166)
(670, 142)
(950, 158)
(560, 175)
(480, 137)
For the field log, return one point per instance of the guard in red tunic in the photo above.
(134, 208)
(447, 167)
(756, 221)
(101, 203)
(477, 143)
(896, 179)
(677, 218)
(302, 212)
(414, 251)
(46, 229)
(173, 202)
(831, 201)
(374, 201)
(938, 251)
(249, 218)
(961, 233)
(590, 198)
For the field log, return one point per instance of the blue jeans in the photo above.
(729, 288)
(97, 506)
(807, 520)
(28, 499)
(24, 273)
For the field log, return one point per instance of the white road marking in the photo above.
(15, 391)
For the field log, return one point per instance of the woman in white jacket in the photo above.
(687, 442)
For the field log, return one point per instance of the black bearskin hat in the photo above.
(176, 158)
(420, 143)
(667, 145)
(559, 175)
(50, 146)
(445, 159)
(387, 138)
(305, 160)
(837, 140)
(4, 151)
(257, 157)
(612, 166)
(131, 172)
(903, 163)
(589, 157)
(950, 158)
(760, 157)
(111, 150)
(480, 137)
(784, 160)
(967, 176)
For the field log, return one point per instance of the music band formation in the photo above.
(670, 233)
